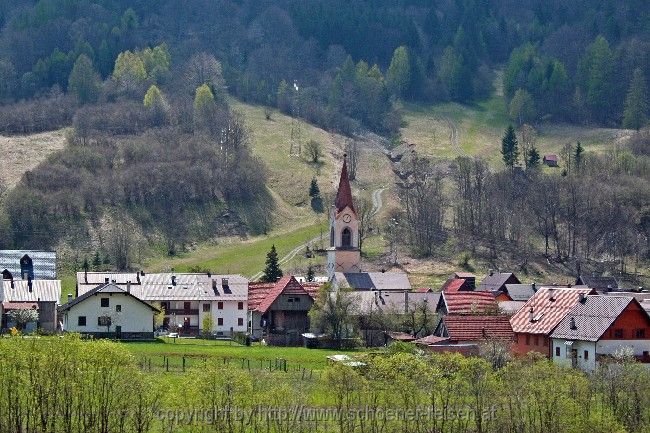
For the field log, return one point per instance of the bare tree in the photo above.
(351, 149)
(528, 136)
(204, 68)
(120, 243)
(364, 212)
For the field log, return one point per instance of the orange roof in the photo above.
(20, 305)
(546, 309)
(476, 328)
(469, 302)
(262, 295)
(344, 193)
(453, 285)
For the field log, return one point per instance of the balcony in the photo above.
(182, 312)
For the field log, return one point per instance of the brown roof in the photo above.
(20, 305)
(468, 302)
(453, 285)
(344, 193)
(431, 339)
(545, 309)
(262, 295)
(477, 328)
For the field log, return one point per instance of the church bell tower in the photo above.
(343, 254)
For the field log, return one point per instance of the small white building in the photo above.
(597, 327)
(108, 311)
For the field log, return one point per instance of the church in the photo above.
(344, 266)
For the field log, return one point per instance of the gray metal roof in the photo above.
(592, 317)
(43, 290)
(520, 292)
(44, 263)
(104, 288)
(495, 281)
(373, 281)
(392, 301)
(159, 286)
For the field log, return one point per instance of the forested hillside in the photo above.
(154, 144)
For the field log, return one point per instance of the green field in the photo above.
(233, 354)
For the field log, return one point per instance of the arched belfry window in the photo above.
(332, 237)
(346, 238)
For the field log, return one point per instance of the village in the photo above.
(577, 325)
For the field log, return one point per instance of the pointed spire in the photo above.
(344, 194)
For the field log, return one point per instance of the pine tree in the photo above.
(533, 158)
(272, 272)
(314, 190)
(509, 147)
(97, 261)
(577, 159)
(635, 114)
(84, 82)
(310, 273)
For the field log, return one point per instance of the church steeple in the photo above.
(344, 193)
(344, 254)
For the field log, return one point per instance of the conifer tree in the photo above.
(310, 273)
(533, 158)
(509, 147)
(577, 159)
(314, 190)
(272, 272)
(635, 114)
(84, 82)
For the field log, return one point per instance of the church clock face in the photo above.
(347, 218)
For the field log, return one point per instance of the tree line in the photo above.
(593, 207)
(70, 385)
(573, 60)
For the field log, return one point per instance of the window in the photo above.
(240, 305)
(206, 308)
(640, 333)
(104, 321)
(527, 340)
(557, 351)
(618, 333)
(105, 302)
(240, 322)
(586, 355)
(220, 321)
(346, 238)
(220, 305)
(118, 308)
(81, 321)
(296, 299)
(187, 306)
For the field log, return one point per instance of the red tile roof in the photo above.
(549, 306)
(262, 295)
(344, 193)
(550, 157)
(469, 302)
(477, 328)
(453, 285)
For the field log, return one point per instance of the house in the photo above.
(496, 281)
(109, 311)
(510, 308)
(191, 301)
(40, 295)
(278, 312)
(344, 267)
(517, 292)
(457, 329)
(598, 326)
(470, 279)
(539, 316)
(21, 264)
(456, 285)
(599, 283)
(550, 160)
(467, 303)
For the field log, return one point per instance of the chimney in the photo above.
(490, 272)
(128, 287)
(86, 276)
(534, 287)
(142, 273)
(173, 280)
(551, 295)
(69, 297)
(137, 277)
(573, 324)
(106, 280)
(209, 274)
(609, 287)
(383, 271)
(582, 298)
(214, 284)
(530, 314)
(29, 284)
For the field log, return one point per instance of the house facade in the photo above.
(40, 295)
(599, 326)
(191, 301)
(108, 311)
(536, 320)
